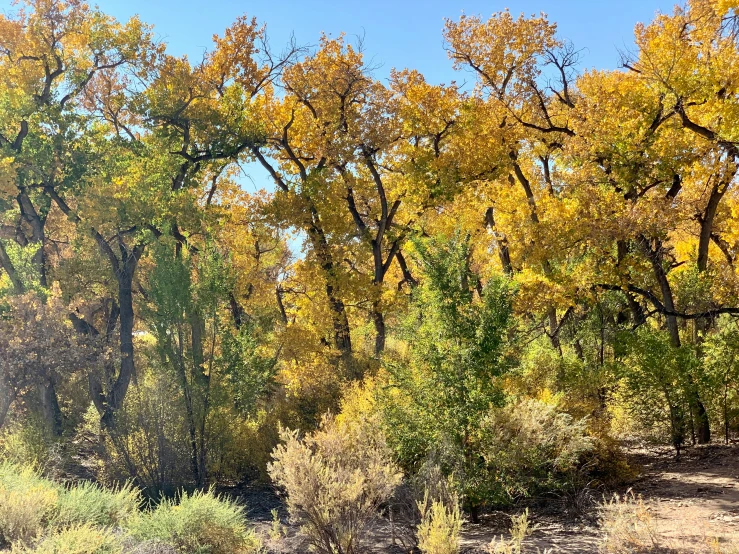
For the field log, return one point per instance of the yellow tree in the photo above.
(521, 107)
(166, 143)
(357, 164)
(51, 53)
(627, 175)
(663, 137)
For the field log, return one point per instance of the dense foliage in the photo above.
(493, 286)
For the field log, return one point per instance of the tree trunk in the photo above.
(703, 425)
(7, 396)
(38, 237)
(126, 317)
(379, 321)
(726, 414)
(202, 382)
(124, 270)
(340, 321)
(501, 242)
(49, 407)
(654, 255)
(554, 329)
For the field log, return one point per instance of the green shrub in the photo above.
(25, 443)
(529, 448)
(658, 384)
(27, 503)
(148, 442)
(80, 539)
(335, 479)
(88, 502)
(200, 523)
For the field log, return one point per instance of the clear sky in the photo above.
(397, 33)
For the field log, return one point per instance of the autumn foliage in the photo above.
(491, 284)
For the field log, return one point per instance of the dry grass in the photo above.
(628, 526)
(520, 529)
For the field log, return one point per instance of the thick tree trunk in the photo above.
(340, 321)
(49, 408)
(7, 396)
(126, 318)
(654, 255)
(38, 236)
(312, 226)
(703, 425)
(202, 382)
(554, 329)
(124, 270)
(501, 243)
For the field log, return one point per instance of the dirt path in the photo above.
(694, 499)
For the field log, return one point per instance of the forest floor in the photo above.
(691, 501)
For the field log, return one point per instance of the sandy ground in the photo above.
(692, 500)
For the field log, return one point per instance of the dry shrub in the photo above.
(520, 529)
(716, 546)
(335, 479)
(428, 484)
(533, 446)
(628, 527)
(438, 532)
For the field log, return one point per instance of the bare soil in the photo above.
(693, 499)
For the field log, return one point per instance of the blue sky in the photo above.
(399, 33)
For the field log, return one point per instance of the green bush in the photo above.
(27, 503)
(80, 539)
(658, 384)
(25, 443)
(460, 339)
(90, 503)
(530, 448)
(200, 523)
(148, 442)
